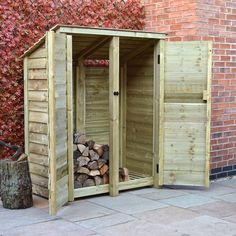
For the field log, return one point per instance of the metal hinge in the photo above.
(116, 93)
(157, 168)
(158, 59)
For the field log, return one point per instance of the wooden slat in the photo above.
(41, 52)
(39, 117)
(38, 96)
(38, 85)
(37, 74)
(114, 116)
(89, 191)
(39, 190)
(38, 63)
(38, 148)
(38, 159)
(38, 128)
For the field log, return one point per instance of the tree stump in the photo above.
(16, 186)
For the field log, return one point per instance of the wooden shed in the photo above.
(151, 105)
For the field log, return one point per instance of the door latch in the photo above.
(116, 93)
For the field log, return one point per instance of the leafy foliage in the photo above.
(23, 22)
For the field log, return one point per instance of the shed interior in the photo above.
(91, 102)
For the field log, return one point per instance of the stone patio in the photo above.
(147, 211)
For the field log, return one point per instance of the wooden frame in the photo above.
(208, 128)
(26, 106)
(52, 126)
(70, 118)
(114, 116)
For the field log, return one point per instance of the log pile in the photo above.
(91, 163)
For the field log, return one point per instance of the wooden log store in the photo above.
(151, 104)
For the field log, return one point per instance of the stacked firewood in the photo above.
(91, 163)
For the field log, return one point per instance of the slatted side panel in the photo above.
(97, 104)
(38, 120)
(139, 114)
(61, 120)
(185, 113)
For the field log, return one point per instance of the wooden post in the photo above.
(114, 116)
(160, 131)
(208, 127)
(52, 125)
(70, 119)
(26, 106)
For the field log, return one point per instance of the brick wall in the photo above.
(213, 20)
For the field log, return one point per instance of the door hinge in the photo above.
(116, 93)
(158, 59)
(157, 168)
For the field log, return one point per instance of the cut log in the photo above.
(89, 183)
(76, 154)
(101, 162)
(93, 155)
(105, 148)
(124, 174)
(90, 144)
(79, 138)
(74, 147)
(93, 165)
(86, 152)
(77, 184)
(81, 178)
(94, 173)
(105, 179)
(23, 157)
(16, 186)
(104, 169)
(83, 170)
(81, 147)
(105, 156)
(83, 161)
(98, 148)
(98, 180)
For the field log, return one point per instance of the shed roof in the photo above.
(93, 31)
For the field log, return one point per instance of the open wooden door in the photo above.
(184, 143)
(60, 120)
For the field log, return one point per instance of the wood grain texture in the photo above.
(186, 117)
(139, 114)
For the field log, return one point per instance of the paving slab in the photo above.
(143, 191)
(205, 226)
(214, 190)
(163, 194)
(228, 182)
(82, 210)
(105, 221)
(128, 204)
(167, 215)
(51, 228)
(228, 197)
(139, 228)
(230, 218)
(218, 209)
(14, 218)
(189, 200)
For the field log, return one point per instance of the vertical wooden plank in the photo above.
(114, 116)
(80, 97)
(70, 118)
(26, 112)
(208, 125)
(161, 112)
(123, 96)
(156, 95)
(52, 124)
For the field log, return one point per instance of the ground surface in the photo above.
(148, 211)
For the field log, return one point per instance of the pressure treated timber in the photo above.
(97, 104)
(114, 116)
(69, 107)
(139, 114)
(26, 105)
(208, 128)
(186, 120)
